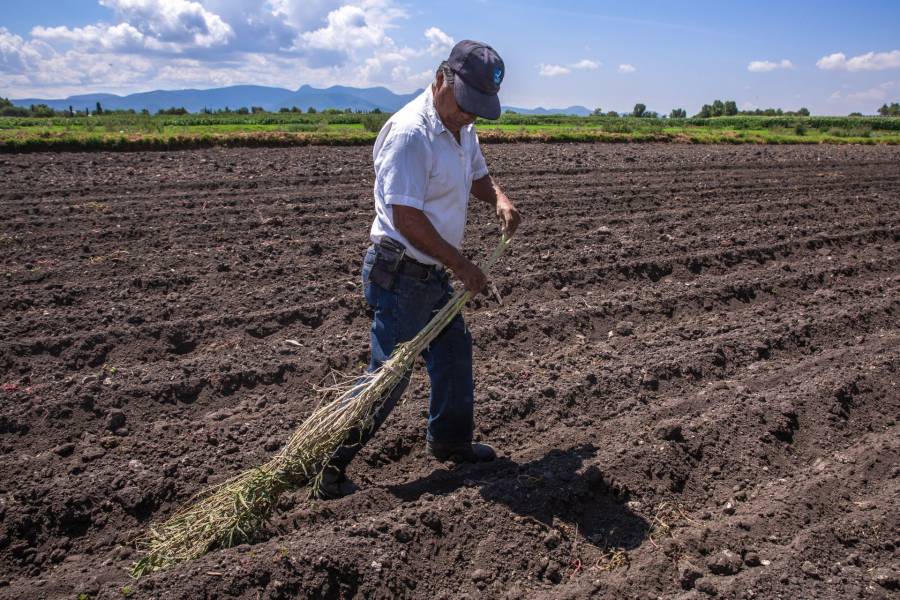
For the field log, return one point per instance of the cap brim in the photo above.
(475, 101)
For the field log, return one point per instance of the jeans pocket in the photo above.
(368, 263)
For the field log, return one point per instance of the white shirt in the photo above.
(419, 163)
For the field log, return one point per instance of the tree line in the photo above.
(718, 108)
(8, 109)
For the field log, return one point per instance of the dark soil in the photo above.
(692, 378)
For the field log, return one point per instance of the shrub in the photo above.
(842, 132)
(890, 110)
(295, 127)
(14, 111)
(374, 121)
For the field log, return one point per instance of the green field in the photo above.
(135, 131)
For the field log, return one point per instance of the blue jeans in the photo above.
(400, 313)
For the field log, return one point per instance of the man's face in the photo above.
(453, 117)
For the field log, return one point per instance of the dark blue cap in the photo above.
(479, 72)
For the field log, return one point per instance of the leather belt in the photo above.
(413, 268)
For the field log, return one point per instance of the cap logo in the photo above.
(498, 76)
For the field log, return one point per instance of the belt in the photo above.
(413, 268)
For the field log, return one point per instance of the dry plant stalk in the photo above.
(229, 513)
(664, 519)
(612, 559)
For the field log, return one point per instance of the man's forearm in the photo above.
(418, 230)
(487, 191)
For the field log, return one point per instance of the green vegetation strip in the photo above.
(172, 132)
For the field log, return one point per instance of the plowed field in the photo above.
(692, 378)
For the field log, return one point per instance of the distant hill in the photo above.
(269, 98)
(580, 111)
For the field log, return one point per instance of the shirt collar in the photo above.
(433, 118)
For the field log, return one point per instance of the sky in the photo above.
(831, 57)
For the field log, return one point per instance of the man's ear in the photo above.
(439, 79)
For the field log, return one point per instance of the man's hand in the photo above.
(419, 231)
(509, 216)
(471, 276)
(487, 190)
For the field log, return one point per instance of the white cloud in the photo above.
(70, 72)
(404, 74)
(173, 26)
(152, 44)
(586, 64)
(878, 93)
(550, 70)
(347, 28)
(302, 16)
(101, 37)
(441, 43)
(838, 60)
(179, 22)
(871, 61)
(17, 55)
(764, 66)
(626, 68)
(374, 67)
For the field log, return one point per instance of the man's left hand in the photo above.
(509, 216)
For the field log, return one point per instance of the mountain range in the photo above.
(269, 98)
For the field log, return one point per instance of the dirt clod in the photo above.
(810, 570)
(115, 419)
(707, 585)
(751, 559)
(432, 520)
(887, 578)
(688, 574)
(552, 539)
(725, 562)
(64, 449)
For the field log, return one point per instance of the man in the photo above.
(427, 161)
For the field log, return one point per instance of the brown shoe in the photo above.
(466, 452)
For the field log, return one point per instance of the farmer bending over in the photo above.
(427, 161)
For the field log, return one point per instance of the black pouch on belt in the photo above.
(388, 254)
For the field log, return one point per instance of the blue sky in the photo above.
(832, 57)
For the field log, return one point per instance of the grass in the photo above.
(167, 132)
(232, 512)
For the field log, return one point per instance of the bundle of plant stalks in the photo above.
(231, 512)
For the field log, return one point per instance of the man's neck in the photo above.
(456, 133)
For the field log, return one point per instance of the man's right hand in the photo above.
(419, 231)
(471, 276)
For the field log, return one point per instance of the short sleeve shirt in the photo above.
(419, 163)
